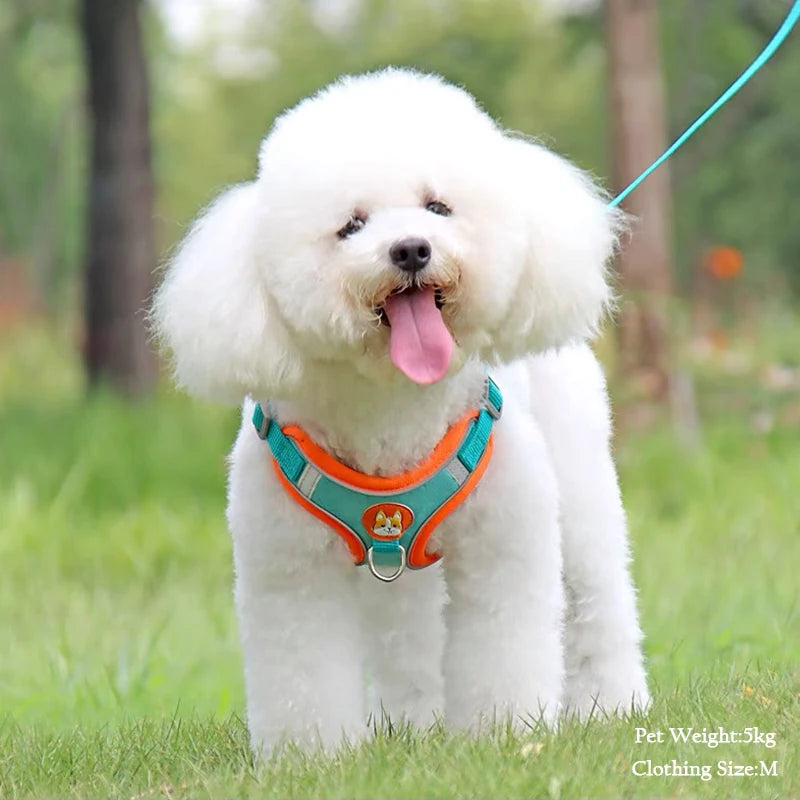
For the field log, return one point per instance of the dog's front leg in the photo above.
(296, 604)
(403, 639)
(302, 659)
(502, 561)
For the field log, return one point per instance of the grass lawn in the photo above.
(120, 673)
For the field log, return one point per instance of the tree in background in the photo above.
(636, 98)
(120, 254)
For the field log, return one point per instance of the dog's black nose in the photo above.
(410, 254)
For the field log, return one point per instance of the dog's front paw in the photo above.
(519, 716)
(607, 689)
(265, 741)
(591, 706)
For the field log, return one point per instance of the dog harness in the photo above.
(386, 522)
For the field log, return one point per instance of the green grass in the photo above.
(120, 673)
(203, 757)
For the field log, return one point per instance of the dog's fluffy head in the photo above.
(295, 268)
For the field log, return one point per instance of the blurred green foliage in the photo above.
(736, 183)
(41, 140)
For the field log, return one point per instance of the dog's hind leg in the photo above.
(403, 637)
(604, 669)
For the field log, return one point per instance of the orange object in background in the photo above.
(719, 340)
(725, 263)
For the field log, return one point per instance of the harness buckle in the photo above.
(396, 574)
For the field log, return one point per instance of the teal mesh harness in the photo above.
(386, 522)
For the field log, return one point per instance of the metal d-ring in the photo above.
(396, 574)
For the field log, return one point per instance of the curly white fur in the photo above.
(532, 609)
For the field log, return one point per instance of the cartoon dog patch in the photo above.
(387, 523)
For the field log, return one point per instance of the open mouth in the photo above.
(438, 300)
(420, 345)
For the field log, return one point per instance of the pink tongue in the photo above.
(421, 345)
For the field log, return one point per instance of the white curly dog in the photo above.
(395, 248)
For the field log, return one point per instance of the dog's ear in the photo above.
(213, 310)
(569, 234)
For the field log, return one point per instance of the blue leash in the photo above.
(777, 40)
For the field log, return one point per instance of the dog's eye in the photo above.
(440, 208)
(354, 225)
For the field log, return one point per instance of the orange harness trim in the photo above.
(418, 557)
(385, 520)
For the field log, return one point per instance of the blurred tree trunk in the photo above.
(120, 248)
(636, 93)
